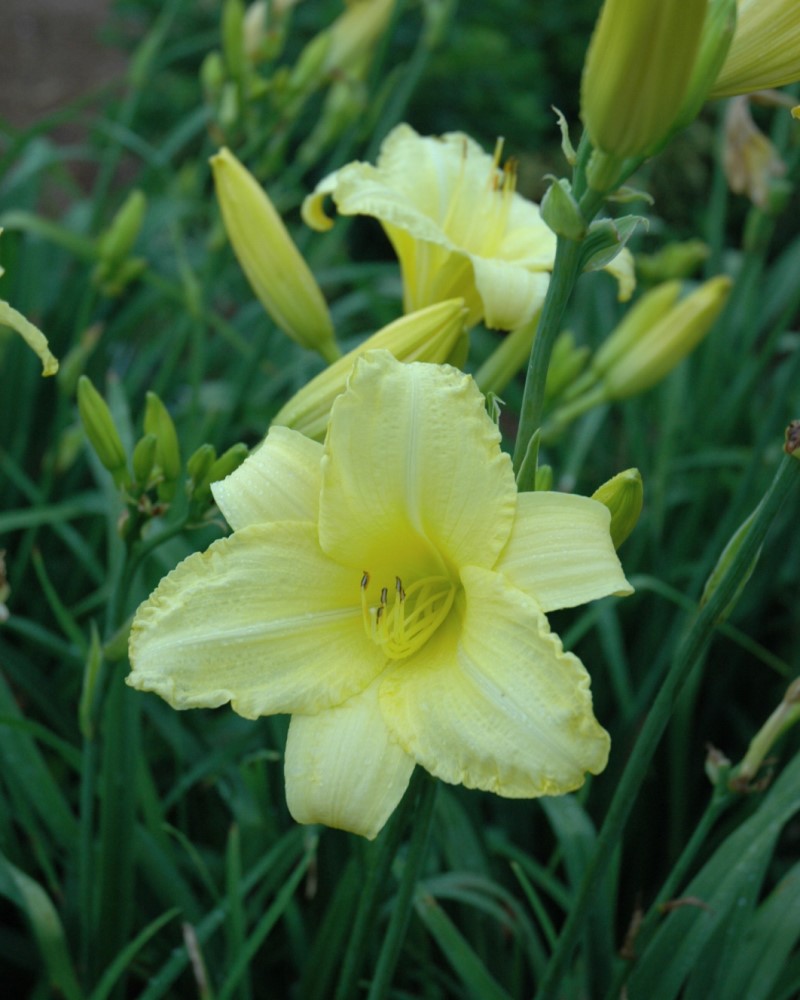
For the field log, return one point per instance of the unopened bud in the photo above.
(228, 462)
(158, 422)
(560, 211)
(116, 243)
(101, 431)
(652, 352)
(233, 37)
(199, 464)
(623, 495)
(143, 459)
(637, 72)
(544, 478)
(355, 32)
(673, 261)
(274, 266)
(426, 335)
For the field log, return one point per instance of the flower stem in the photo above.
(401, 911)
(688, 655)
(565, 274)
(382, 854)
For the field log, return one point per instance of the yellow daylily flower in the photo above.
(765, 51)
(389, 590)
(458, 227)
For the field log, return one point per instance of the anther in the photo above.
(365, 580)
(401, 594)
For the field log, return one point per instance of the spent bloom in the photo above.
(457, 224)
(389, 590)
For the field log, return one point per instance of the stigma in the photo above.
(402, 620)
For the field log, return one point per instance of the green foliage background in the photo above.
(129, 832)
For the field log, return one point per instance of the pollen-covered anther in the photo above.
(403, 626)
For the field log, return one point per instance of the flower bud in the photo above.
(158, 422)
(199, 464)
(675, 260)
(228, 462)
(274, 267)
(101, 431)
(648, 353)
(784, 717)
(355, 32)
(765, 51)
(637, 72)
(116, 243)
(623, 495)
(560, 211)
(426, 335)
(143, 459)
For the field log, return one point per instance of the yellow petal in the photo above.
(261, 619)
(765, 51)
(33, 337)
(280, 481)
(494, 702)
(343, 769)
(413, 470)
(510, 296)
(560, 551)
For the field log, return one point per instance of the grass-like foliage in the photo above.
(150, 853)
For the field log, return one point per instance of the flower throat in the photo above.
(403, 620)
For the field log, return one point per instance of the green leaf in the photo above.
(37, 906)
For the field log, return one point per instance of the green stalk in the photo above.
(401, 911)
(565, 274)
(691, 649)
(382, 854)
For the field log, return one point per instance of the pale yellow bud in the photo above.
(354, 33)
(32, 336)
(426, 335)
(765, 51)
(277, 273)
(637, 72)
(660, 347)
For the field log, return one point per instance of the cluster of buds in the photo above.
(654, 336)
(149, 479)
(244, 81)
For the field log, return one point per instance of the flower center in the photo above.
(403, 620)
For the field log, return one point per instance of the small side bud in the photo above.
(199, 465)
(228, 462)
(116, 243)
(544, 478)
(101, 431)
(158, 422)
(623, 494)
(144, 459)
(560, 211)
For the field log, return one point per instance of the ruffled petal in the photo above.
(343, 768)
(560, 551)
(280, 481)
(261, 619)
(413, 472)
(493, 701)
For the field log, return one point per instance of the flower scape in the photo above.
(389, 590)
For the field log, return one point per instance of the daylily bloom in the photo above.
(389, 589)
(456, 222)
(765, 51)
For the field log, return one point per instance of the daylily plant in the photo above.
(457, 224)
(389, 590)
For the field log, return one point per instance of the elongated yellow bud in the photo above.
(426, 335)
(32, 336)
(277, 273)
(765, 51)
(637, 72)
(623, 494)
(660, 347)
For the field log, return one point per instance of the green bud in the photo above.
(605, 239)
(674, 261)
(566, 363)
(32, 336)
(144, 458)
(158, 422)
(212, 75)
(623, 495)
(101, 431)
(228, 462)
(116, 243)
(199, 464)
(233, 37)
(309, 70)
(560, 211)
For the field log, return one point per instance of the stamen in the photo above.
(405, 625)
